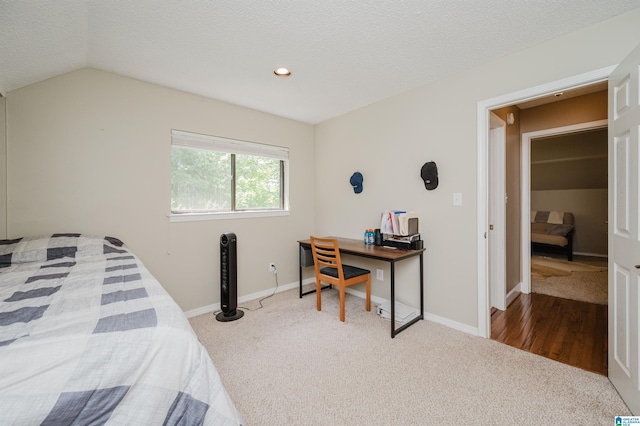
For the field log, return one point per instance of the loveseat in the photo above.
(552, 231)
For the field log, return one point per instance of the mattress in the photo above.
(88, 336)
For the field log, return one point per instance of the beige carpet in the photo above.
(584, 279)
(288, 364)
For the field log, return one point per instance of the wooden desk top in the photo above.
(359, 248)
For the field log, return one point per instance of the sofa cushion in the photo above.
(561, 230)
(551, 229)
(539, 216)
(555, 217)
(541, 228)
(546, 216)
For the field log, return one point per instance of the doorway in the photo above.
(527, 207)
(484, 108)
(538, 323)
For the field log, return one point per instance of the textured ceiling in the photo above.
(344, 54)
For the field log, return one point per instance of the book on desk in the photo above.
(400, 230)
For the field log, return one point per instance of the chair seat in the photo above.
(349, 271)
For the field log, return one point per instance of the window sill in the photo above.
(193, 217)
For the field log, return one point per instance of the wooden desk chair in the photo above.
(329, 268)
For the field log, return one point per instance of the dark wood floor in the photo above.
(567, 331)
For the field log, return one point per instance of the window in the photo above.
(217, 175)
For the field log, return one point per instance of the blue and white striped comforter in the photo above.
(88, 336)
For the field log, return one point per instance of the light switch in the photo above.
(457, 198)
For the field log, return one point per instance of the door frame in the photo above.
(525, 189)
(483, 115)
(497, 212)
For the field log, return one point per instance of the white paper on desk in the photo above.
(385, 222)
(403, 313)
(390, 223)
(396, 222)
(403, 224)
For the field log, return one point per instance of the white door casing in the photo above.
(624, 230)
(483, 125)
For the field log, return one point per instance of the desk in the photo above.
(386, 254)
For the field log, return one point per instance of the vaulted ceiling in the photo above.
(344, 54)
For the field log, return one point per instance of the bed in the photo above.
(88, 336)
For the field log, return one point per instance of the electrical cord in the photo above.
(259, 301)
(266, 297)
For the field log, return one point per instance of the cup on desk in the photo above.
(377, 240)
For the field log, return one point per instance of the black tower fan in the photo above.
(228, 279)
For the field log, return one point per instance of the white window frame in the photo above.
(233, 146)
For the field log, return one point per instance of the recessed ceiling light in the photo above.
(282, 72)
(557, 95)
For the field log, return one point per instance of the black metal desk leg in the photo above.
(302, 293)
(300, 280)
(421, 286)
(393, 300)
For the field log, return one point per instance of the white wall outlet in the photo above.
(272, 267)
(457, 198)
(379, 274)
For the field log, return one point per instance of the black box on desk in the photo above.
(412, 225)
(306, 257)
(404, 245)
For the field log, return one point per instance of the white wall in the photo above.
(89, 152)
(390, 140)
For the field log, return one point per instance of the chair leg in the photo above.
(368, 305)
(342, 303)
(318, 295)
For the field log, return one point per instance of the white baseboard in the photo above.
(362, 295)
(427, 316)
(216, 306)
(590, 254)
(511, 296)
(375, 299)
(203, 310)
(452, 324)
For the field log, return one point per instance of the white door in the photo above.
(624, 230)
(497, 213)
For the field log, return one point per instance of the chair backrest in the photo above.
(326, 255)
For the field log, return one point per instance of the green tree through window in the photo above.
(204, 179)
(200, 180)
(258, 183)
